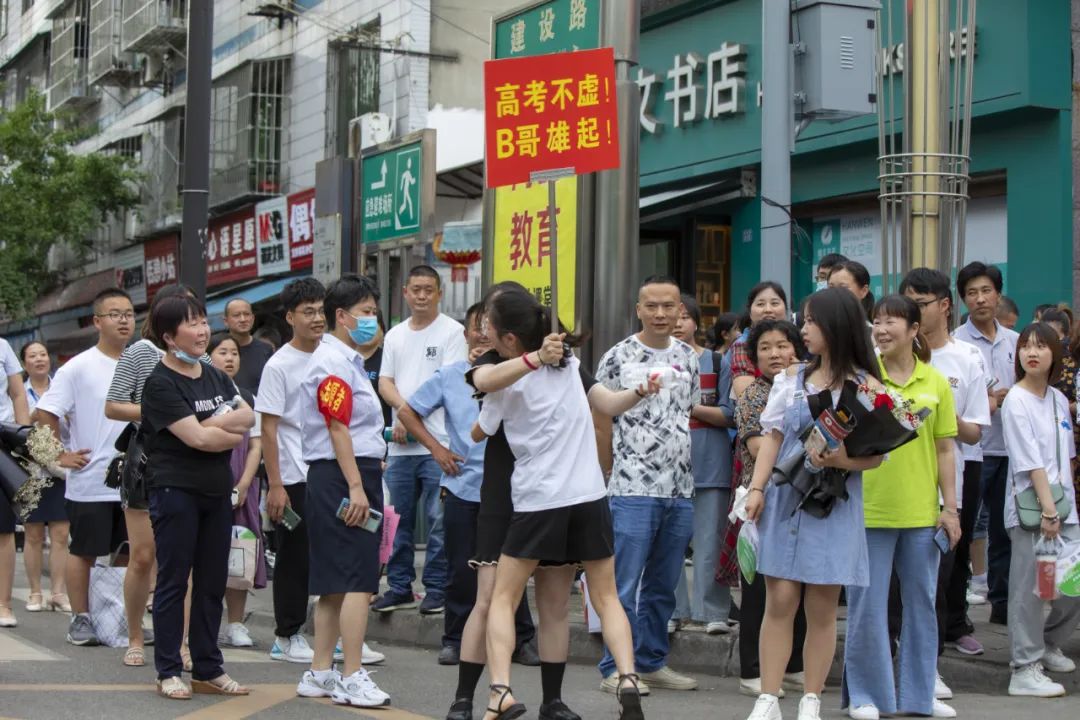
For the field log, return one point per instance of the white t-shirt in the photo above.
(279, 394)
(962, 366)
(78, 391)
(9, 365)
(549, 427)
(410, 357)
(1030, 435)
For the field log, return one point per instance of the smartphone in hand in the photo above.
(290, 519)
(373, 522)
(941, 539)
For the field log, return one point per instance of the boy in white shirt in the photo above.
(78, 393)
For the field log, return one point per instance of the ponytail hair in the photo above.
(903, 307)
(517, 312)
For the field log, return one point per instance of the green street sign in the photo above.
(397, 188)
(547, 27)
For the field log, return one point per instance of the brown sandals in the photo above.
(221, 685)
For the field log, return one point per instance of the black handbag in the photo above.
(128, 468)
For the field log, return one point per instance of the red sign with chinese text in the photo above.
(230, 248)
(162, 266)
(301, 228)
(548, 112)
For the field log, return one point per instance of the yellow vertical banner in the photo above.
(522, 241)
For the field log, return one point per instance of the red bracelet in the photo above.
(528, 364)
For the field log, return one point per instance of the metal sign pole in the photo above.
(550, 176)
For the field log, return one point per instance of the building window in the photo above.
(352, 86)
(248, 117)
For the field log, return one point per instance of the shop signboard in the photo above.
(397, 188)
(230, 248)
(161, 263)
(554, 26)
(550, 112)
(301, 228)
(326, 253)
(857, 236)
(273, 236)
(130, 266)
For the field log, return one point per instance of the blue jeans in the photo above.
(868, 665)
(995, 488)
(414, 480)
(710, 601)
(651, 535)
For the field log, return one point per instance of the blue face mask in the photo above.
(184, 357)
(366, 328)
(821, 285)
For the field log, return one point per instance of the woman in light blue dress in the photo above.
(799, 552)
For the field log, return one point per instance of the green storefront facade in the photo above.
(701, 211)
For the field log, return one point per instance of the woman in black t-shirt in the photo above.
(192, 418)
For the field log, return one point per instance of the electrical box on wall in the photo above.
(835, 50)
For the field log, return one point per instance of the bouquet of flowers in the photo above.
(884, 420)
(28, 464)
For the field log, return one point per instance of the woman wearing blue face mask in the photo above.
(192, 418)
(343, 447)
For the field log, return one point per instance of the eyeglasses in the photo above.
(117, 316)
(923, 304)
(312, 313)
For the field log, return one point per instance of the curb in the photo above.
(714, 655)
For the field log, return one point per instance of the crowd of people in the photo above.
(521, 463)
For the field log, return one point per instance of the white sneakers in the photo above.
(767, 707)
(1031, 681)
(236, 635)
(1055, 661)
(367, 655)
(718, 627)
(293, 649)
(864, 712)
(810, 707)
(941, 690)
(359, 690)
(941, 710)
(318, 683)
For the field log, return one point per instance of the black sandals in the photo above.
(514, 711)
(629, 698)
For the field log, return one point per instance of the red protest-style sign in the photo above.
(301, 228)
(548, 112)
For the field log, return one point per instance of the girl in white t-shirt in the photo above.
(561, 512)
(1038, 437)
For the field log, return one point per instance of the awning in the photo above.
(466, 181)
(681, 200)
(215, 309)
(74, 342)
(77, 293)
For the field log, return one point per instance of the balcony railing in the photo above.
(151, 25)
(109, 64)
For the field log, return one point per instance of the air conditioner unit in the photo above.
(367, 130)
(152, 69)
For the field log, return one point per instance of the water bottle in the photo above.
(1046, 569)
(388, 435)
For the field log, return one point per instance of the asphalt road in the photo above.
(42, 677)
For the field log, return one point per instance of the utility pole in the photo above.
(615, 254)
(926, 120)
(777, 137)
(196, 190)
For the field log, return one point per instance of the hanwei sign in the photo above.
(550, 111)
(301, 228)
(397, 188)
(273, 237)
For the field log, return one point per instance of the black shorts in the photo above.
(343, 559)
(565, 535)
(51, 507)
(97, 528)
(496, 504)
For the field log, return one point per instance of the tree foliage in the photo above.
(50, 195)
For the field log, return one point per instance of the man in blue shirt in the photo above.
(980, 286)
(463, 471)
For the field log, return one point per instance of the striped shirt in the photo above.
(134, 367)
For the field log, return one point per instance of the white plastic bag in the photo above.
(107, 605)
(1068, 568)
(738, 505)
